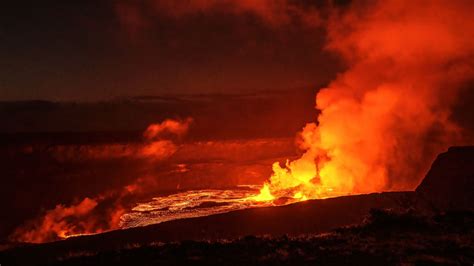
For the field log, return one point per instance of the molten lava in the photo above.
(194, 203)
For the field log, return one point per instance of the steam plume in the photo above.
(384, 118)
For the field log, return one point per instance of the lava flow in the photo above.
(194, 203)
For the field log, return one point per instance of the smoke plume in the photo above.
(384, 119)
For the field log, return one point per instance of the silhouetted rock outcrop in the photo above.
(449, 184)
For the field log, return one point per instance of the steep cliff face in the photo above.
(449, 184)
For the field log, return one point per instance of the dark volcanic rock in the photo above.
(449, 184)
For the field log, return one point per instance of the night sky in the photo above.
(100, 50)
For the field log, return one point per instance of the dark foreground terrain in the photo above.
(385, 238)
(434, 224)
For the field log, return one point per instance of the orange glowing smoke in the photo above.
(167, 127)
(88, 216)
(158, 145)
(388, 114)
(65, 221)
(155, 134)
(53, 224)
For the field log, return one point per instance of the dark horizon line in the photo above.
(171, 96)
